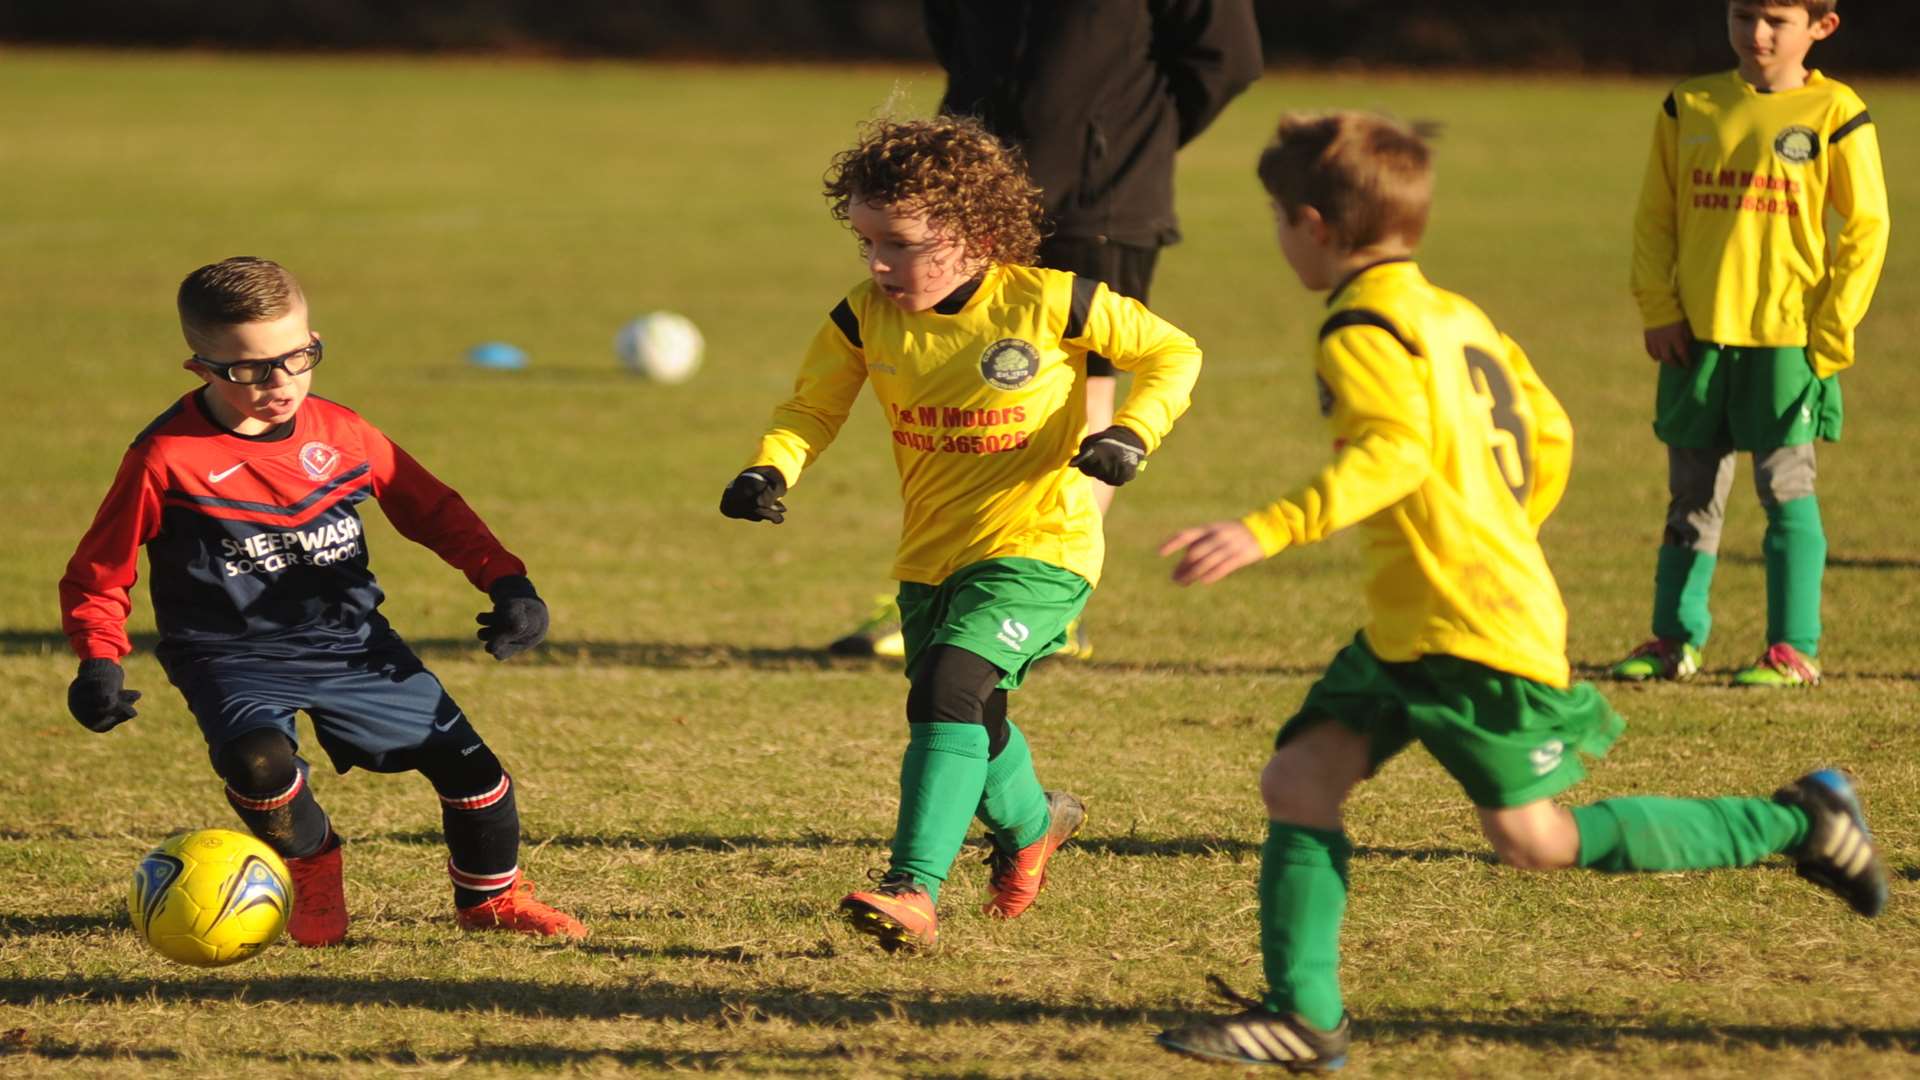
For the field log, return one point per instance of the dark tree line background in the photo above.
(1670, 36)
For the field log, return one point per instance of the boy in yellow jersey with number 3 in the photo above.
(1750, 298)
(978, 359)
(1449, 452)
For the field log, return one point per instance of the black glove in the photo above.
(1112, 456)
(755, 495)
(518, 620)
(96, 698)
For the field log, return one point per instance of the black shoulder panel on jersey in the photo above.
(1362, 317)
(1673, 109)
(1847, 128)
(1082, 304)
(843, 318)
(158, 423)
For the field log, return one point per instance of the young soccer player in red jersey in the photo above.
(244, 494)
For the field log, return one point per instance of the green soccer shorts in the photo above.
(1009, 612)
(1754, 399)
(1507, 739)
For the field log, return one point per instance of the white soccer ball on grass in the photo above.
(663, 346)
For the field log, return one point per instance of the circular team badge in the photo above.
(318, 459)
(1009, 363)
(1798, 144)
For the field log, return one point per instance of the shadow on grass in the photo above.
(542, 1056)
(811, 1007)
(1835, 562)
(32, 925)
(680, 656)
(649, 1001)
(1711, 679)
(1561, 1030)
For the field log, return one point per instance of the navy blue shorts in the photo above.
(374, 709)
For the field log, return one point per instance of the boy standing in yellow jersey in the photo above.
(1449, 452)
(978, 360)
(1750, 306)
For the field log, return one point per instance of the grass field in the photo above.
(700, 785)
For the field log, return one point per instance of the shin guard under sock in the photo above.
(1682, 581)
(483, 841)
(942, 776)
(1795, 547)
(1303, 898)
(288, 820)
(1652, 833)
(1014, 805)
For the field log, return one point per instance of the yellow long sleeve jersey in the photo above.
(1450, 452)
(1732, 234)
(985, 402)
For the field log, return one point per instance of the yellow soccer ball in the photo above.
(210, 898)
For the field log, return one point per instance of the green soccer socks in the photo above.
(1014, 805)
(1653, 833)
(1682, 580)
(1303, 897)
(942, 776)
(1795, 546)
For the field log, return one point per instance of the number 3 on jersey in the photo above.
(1510, 439)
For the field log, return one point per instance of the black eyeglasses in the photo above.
(254, 372)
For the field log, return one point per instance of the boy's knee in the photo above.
(1785, 474)
(1539, 836)
(1304, 787)
(258, 762)
(953, 686)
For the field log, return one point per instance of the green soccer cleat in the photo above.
(1660, 658)
(1780, 666)
(879, 635)
(1257, 1036)
(1838, 854)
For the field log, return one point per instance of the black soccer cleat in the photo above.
(1838, 854)
(1257, 1036)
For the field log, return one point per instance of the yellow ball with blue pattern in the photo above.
(210, 898)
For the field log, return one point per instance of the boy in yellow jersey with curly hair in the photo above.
(978, 360)
(1449, 451)
(1750, 304)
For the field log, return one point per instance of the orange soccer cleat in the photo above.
(898, 911)
(1017, 877)
(517, 910)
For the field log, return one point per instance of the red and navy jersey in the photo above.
(257, 546)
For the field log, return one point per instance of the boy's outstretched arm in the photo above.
(95, 595)
(1376, 399)
(805, 424)
(1164, 362)
(433, 515)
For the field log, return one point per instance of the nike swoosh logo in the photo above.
(452, 720)
(216, 477)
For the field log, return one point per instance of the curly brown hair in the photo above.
(972, 187)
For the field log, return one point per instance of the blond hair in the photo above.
(242, 289)
(972, 187)
(1370, 178)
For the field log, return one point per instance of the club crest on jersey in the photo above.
(1009, 363)
(318, 459)
(1798, 144)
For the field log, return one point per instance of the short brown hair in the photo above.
(1369, 177)
(242, 289)
(972, 187)
(1815, 9)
